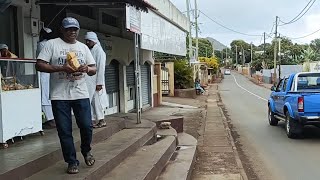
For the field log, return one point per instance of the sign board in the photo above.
(158, 34)
(133, 19)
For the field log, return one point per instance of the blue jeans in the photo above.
(62, 115)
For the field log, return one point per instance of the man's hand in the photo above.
(98, 88)
(67, 68)
(83, 68)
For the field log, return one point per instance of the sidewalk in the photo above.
(265, 85)
(217, 155)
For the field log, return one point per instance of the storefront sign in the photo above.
(158, 34)
(133, 19)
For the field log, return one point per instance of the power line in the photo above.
(300, 15)
(301, 37)
(226, 26)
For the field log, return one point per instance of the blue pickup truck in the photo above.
(296, 101)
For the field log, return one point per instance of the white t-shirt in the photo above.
(65, 86)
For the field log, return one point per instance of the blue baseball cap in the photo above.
(70, 22)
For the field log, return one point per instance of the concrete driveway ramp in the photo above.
(180, 167)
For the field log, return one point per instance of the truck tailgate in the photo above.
(311, 102)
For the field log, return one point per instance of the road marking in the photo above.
(259, 97)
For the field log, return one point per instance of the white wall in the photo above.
(167, 9)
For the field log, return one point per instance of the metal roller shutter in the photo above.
(112, 77)
(130, 75)
(145, 84)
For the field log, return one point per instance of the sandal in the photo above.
(101, 123)
(73, 169)
(89, 159)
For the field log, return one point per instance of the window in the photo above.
(131, 93)
(285, 84)
(310, 81)
(109, 20)
(280, 85)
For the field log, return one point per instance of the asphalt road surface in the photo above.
(271, 154)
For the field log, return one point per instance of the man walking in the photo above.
(96, 83)
(68, 60)
(45, 35)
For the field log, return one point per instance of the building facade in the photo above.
(161, 26)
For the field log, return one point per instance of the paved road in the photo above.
(273, 155)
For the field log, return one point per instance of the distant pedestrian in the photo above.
(96, 83)
(45, 35)
(68, 60)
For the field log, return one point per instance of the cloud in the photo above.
(255, 17)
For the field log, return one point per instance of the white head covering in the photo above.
(3, 46)
(92, 36)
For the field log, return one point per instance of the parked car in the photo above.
(227, 71)
(296, 101)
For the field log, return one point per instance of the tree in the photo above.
(211, 62)
(205, 47)
(315, 45)
(308, 54)
(183, 74)
(241, 46)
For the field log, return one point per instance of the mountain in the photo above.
(216, 44)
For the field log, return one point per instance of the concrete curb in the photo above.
(239, 163)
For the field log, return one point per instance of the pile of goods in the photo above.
(10, 84)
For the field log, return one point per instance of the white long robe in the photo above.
(99, 100)
(45, 81)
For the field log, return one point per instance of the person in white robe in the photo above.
(96, 83)
(44, 81)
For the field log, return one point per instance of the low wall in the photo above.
(185, 93)
(267, 79)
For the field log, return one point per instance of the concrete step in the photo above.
(36, 152)
(108, 154)
(182, 162)
(145, 164)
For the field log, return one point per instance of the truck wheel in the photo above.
(293, 128)
(272, 120)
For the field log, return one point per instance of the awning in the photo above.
(140, 4)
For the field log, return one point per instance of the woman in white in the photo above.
(44, 80)
(96, 83)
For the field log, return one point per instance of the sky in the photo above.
(254, 17)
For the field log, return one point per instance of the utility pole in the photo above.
(264, 47)
(206, 52)
(226, 55)
(275, 53)
(236, 55)
(213, 55)
(190, 33)
(243, 58)
(197, 33)
(279, 56)
(222, 55)
(251, 53)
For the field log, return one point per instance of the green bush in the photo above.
(183, 75)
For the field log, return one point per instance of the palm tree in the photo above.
(308, 55)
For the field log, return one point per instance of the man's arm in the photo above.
(44, 66)
(101, 66)
(92, 69)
